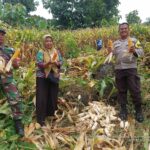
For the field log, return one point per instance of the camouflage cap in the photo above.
(2, 31)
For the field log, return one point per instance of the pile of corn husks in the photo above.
(97, 115)
(70, 128)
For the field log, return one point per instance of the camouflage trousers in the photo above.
(10, 90)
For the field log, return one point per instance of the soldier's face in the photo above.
(124, 31)
(2, 37)
(48, 43)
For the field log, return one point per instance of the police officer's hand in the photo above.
(109, 49)
(132, 49)
(16, 63)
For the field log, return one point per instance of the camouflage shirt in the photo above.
(6, 53)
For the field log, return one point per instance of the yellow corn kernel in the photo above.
(130, 43)
(54, 56)
(16, 54)
(110, 44)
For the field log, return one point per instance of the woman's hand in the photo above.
(57, 63)
(49, 63)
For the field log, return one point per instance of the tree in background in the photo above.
(37, 22)
(147, 22)
(13, 14)
(29, 4)
(16, 15)
(133, 18)
(82, 13)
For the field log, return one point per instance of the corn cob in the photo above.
(110, 44)
(54, 56)
(16, 54)
(9, 64)
(130, 43)
(2, 64)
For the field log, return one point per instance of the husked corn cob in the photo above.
(130, 43)
(16, 54)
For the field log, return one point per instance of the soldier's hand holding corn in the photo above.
(16, 63)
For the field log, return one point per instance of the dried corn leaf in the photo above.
(108, 58)
(37, 126)
(64, 129)
(50, 141)
(80, 142)
(29, 129)
(2, 64)
(104, 141)
(121, 148)
(131, 132)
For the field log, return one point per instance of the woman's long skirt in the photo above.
(46, 98)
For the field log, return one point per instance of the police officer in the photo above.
(7, 83)
(126, 71)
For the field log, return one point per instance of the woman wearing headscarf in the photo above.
(48, 64)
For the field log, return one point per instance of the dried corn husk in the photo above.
(97, 115)
(96, 118)
(51, 55)
(108, 58)
(81, 142)
(55, 57)
(51, 141)
(2, 64)
(9, 64)
(29, 129)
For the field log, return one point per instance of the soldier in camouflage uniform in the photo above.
(7, 83)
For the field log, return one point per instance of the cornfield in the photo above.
(87, 115)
